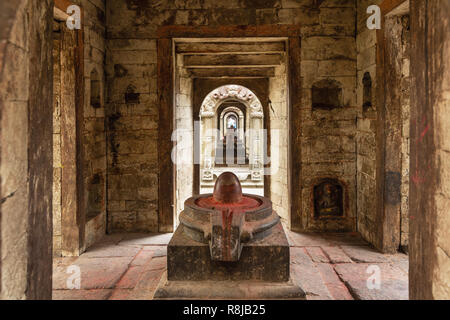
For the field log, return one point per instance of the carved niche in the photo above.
(328, 199)
(326, 94)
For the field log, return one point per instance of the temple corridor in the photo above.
(235, 149)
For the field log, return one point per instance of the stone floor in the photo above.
(327, 266)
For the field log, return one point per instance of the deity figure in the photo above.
(328, 199)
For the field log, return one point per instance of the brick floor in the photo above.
(326, 266)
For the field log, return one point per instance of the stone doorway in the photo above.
(213, 79)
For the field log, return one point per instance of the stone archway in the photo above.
(235, 112)
(210, 141)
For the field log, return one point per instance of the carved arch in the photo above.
(231, 92)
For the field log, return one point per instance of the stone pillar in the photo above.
(207, 145)
(73, 217)
(429, 242)
(256, 146)
(26, 149)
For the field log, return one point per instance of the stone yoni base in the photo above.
(227, 290)
(261, 260)
(262, 271)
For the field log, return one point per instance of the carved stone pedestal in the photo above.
(228, 246)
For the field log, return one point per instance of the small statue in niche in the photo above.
(328, 199)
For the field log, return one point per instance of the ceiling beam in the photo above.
(246, 60)
(230, 47)
(232, 72)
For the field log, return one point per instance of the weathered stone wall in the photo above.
(26, 149)
(329, 136)
(366, 41)
(131, 31)
(132, 130)
(94, 133)
(85, 163)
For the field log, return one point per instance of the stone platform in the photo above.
(262, 260)
(227, 290)
(262, 271)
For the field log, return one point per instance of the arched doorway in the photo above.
(231, 138)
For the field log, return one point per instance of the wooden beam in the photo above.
(63, 4)
(201, 61)
(60, 11)
(388, 5)
(165, 144)
(60, 15)
(178, 31)
(73, 216)
(386, 213)
(429, 233)
(295, 133)
(230, 47)
(232, 72)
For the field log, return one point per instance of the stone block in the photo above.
(337, 16)
(394, 282)
(336, 255)
(308, 276)
(364, 254)
(267, 260)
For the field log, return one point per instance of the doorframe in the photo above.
(165, 89)
(73, 217)
(387, 240)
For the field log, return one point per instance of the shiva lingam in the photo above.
(229, 236)
(227, 219)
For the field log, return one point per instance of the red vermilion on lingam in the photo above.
(227, 218)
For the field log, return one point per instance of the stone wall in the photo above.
(278, 114)
(131, 32)
(26, 149)
(329, 136)
(94, 133)
(366, 41)
(132, 130)
(89, 159)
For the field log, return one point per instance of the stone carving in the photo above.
(328, 199)
(207, 173)
(221, 94)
